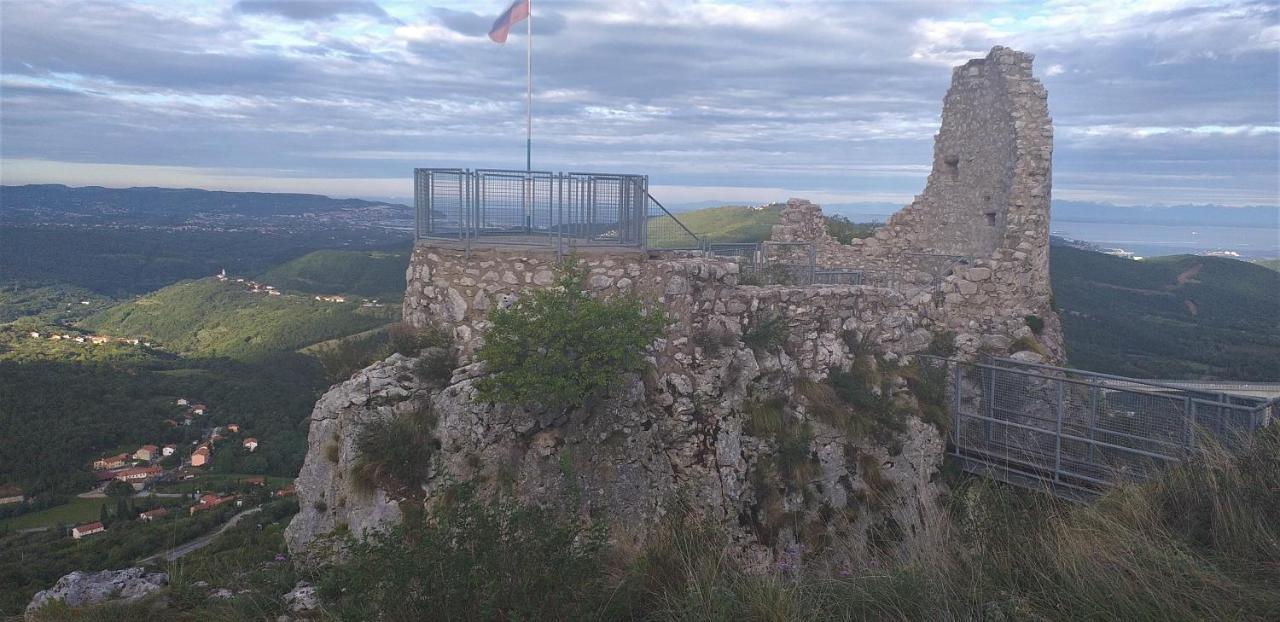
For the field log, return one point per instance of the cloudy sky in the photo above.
(1165, 101)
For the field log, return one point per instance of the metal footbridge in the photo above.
(1077, 433)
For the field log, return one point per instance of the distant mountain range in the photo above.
(172, 205)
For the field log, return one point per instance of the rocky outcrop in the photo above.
(84, 589)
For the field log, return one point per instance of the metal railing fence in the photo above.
(1078, 432)
(792, 263)
(539, 208)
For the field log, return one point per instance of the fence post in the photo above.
(1190, 409)
(955, 428)
(1057, 436)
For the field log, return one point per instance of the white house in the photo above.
(250, 443)
(80, 531)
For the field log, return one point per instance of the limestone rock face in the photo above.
(327, 495)
(83, 589)
(679, 439)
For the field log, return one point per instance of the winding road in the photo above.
(198, 543)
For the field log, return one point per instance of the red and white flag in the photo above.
(517, 11)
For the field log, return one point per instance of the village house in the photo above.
(35, 334)
(250, 443)
(256, 480)
(146, 452)
(112, 462)
(287, 491)
(200, 456)
(182, 401)
(151, 515)
(11, 494)
(208, 502)
(199, 409)
(138, 475)
(168, 450)
(233, 428)
(88, 529)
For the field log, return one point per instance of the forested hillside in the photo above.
(372, 274)
(1181, 316)
(209, 317)
(62, 403)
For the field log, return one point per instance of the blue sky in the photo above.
(1160, 102)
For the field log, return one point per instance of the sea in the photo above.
(1245, 243)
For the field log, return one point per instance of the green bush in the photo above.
(472, 559)
(395, 454)
(560, 347)
(1035, 323)
(767, 332)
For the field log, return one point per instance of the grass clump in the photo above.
(395, 454)
(407, 340)
(768, 331)
(560, 347)
(473, 559)
(1028, 343)
(769, 419)
(858, 402)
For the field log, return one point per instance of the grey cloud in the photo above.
(810, 105)
(310, 10)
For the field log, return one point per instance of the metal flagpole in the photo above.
(528, 96)
(528, 121)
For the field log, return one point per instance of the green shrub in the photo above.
(395, 454)
(766, 332)
(472, 559)
(1035, 323)
(560, 347)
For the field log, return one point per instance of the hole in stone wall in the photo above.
(991, 219)
(952, 163)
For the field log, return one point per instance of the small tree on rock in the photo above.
(559, 347)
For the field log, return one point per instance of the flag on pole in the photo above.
(517, 11)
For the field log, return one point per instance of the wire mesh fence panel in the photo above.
(541, 208)
(666, 231)
(441, 197)
(1031, 423)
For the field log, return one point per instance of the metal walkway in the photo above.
(1076, 433)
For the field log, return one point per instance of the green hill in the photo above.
(1270, 264)
(212, 318)
(372, 274)
(1181, 316)
(720, 224)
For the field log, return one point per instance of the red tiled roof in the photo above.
(88, 527)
